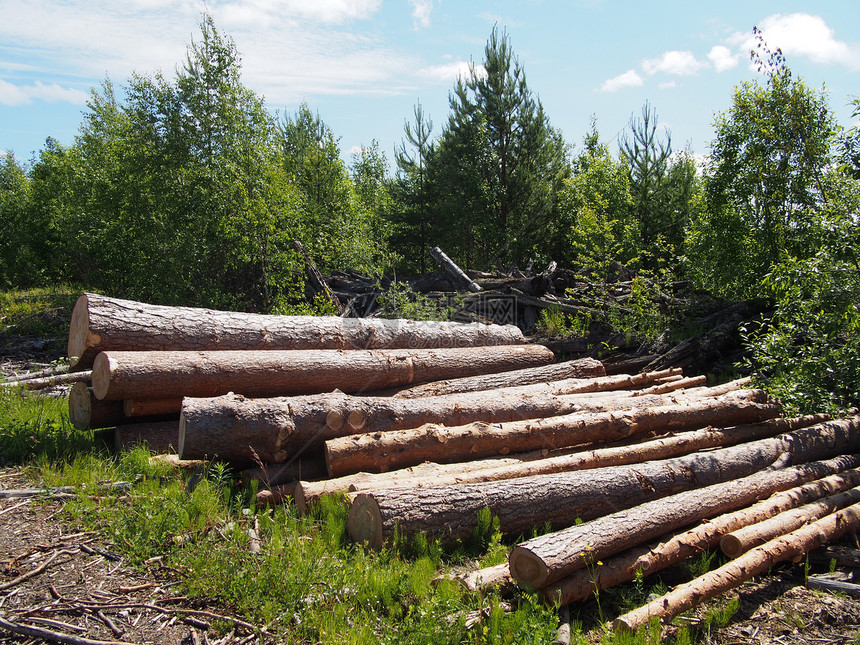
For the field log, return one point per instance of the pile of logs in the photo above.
(422, 426)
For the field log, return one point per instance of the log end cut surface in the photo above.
(79, 330)
(365, 521)
(527, 568)
(79, 406)
(103, 368)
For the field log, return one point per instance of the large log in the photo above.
(86, 411)
(792, 546)
(158, 437)
(100, 324)
(548, 558)
(742, 540)
(236, 428)
(382, 451)
(580, 368)
(160, 375)
(672, 549)
(449, 512)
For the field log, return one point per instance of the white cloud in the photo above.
(722, 58)
(667, 85)
(421, 10)
(677, 63)
(802, 34)
(13, 95)
(630, 78)
(450, 71)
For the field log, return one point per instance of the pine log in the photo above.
(49, 381)
(237, 428)
(158, 437)
(742, 540)
(449, 512)
(160, 375)
(271, 475)
(100, 324)
(537, 463)
(456, 272)
(580, 368)
(151, 407)
(792, 546)
(382, 451)
(86, 411)
(672, 549)
(548, 558)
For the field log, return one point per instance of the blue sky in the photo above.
(363, 64)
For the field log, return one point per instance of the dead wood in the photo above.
(86, 411)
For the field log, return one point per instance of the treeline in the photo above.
(189, 191)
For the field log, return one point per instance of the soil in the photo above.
(78, 582)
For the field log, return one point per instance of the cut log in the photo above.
(100, 324)
(151, 407)
(548, 558)
(456, 272)
(672, 549)
(160, 437)
(29, 376)
(498, 575)
(752, 563)
(86, 411)
(744, 539)
(271, 475)
(159, 375)
(382, 451)
(581, 368)
(537, 463)
(450, 512)
(49, 381)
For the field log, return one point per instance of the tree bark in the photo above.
(672, 549)
(742, 540)
(537, 463)
(580, 368)
(792, 546)
(151, 407)
(86, 411)
(159, 437)
(548, 558)
(450, 512)
(159, 375)
(100, 324)
(383, 451)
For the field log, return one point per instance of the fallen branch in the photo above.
(55, 637)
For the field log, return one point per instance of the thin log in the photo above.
(671, 386)
(448, 264)
(580, 368)
(158, 437)
(383, 451)
(537, 463)
(672, 549)
(86, 411)
(49, 381)
(151, 407)
(29, 376)
(54, 637)
(792, 546)
(159, 375)
(548, 558)
(742, 540)
(449, 512)
(100, 324)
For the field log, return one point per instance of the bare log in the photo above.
(382, 451)
(450, 512)
(29, 376)
(271, 475)
(86, 411)
(151, 407)
(742, 540)
(672, 549)
(548, 558)
(580, 368)
(792, 546)
(100, 324)
(49, 381)
(158, 437)
(448, 264)
(160, 375)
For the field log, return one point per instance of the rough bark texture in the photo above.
(450, 512)
(580, 368)
(100, 324)
(159, 437)
(236, 428)
(787, 547)
(151, 407)
(548, 558)
(744, 539)
(382, 451)
(672, 549)
(159, 375)
(537, 463)
(86, 411)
